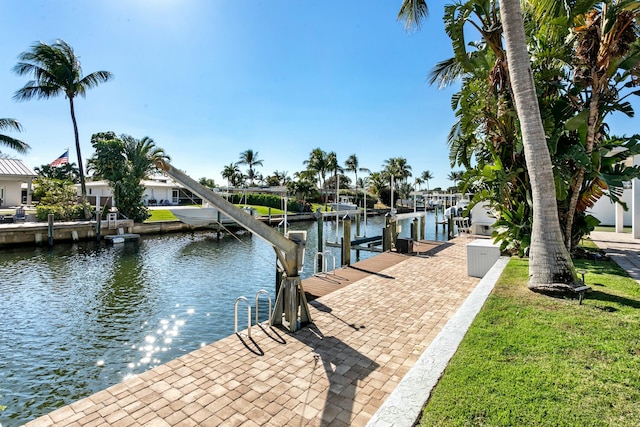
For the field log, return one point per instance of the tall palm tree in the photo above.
(550, 266)
(15, 144)
(317, 162)
(250, 158)
(426, 176)
(56, 71)
(351, 165)
(334, 166)
(230, 172)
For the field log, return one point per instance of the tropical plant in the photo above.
(250, 158)
(67, 171)
(351, 165)
(207, 182)
(56, 71)
(124, 162)
(551, 268)
(13, 143)
(317, 163)
(232, 174)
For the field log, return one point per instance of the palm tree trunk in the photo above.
(83, 187)
(550, 266)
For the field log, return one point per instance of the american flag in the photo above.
(62, 160)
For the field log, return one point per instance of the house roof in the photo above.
(12, 167)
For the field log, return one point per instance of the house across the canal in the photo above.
(15, 183)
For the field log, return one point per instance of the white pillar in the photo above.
(635, 202)
(619, 218)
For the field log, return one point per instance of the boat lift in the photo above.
(291, 307)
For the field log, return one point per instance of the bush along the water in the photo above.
(60, 212)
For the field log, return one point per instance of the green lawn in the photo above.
(532, 360)
(166, 215)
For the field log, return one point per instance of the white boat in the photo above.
(200, 217)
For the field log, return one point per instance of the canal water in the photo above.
(78, 318)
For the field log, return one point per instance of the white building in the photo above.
(13, 174)
(159, 191)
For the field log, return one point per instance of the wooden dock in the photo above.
(323, 284)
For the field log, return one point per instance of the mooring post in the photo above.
(450, 227)
(98, 224)
(414, 229)
(423, 223)
(320, 224)
(218, 226)
(50, 228)
(346, 240)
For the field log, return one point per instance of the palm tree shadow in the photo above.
(609, 298)
(344, 367)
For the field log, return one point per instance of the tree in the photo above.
(232, 174)
(15, 144)
(317, 163)
(250, 158)
(550, 267)
(207, 182)
(456, 177)
(426, 176)
(56, 71)
(125, 162)
(351, 165)
(67, 171)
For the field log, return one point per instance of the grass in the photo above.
(166, 215)
(532, 360)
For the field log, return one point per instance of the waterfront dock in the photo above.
(365, 337)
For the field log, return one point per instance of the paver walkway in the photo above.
(622, 248)
(338, 371)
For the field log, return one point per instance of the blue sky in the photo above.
(208, 80)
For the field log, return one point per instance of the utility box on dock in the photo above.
(404, 246)
(481, 255)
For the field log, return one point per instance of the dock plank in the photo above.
(321, 285)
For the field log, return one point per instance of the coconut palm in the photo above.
(550, 266)
(426, 176)
(231, 172)
(351, 165)
(317, 163)
(15, 144)
(250, 158)
(56, 71)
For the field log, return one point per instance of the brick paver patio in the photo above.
(338, 371)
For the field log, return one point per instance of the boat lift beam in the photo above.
(291, 300)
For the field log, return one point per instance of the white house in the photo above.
(613, 214)
(159, 191)
(13, 174)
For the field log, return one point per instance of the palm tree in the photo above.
(334, 166)
(351, 165)
(455, 176)
(426, 176)
(230, 173)
(142, 155)
(15, 144)
(317, 163)
(550, 266)
(56, 71)
(250, 158)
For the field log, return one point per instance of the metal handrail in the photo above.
(261, 292)
(235, 310)
(325, 262)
